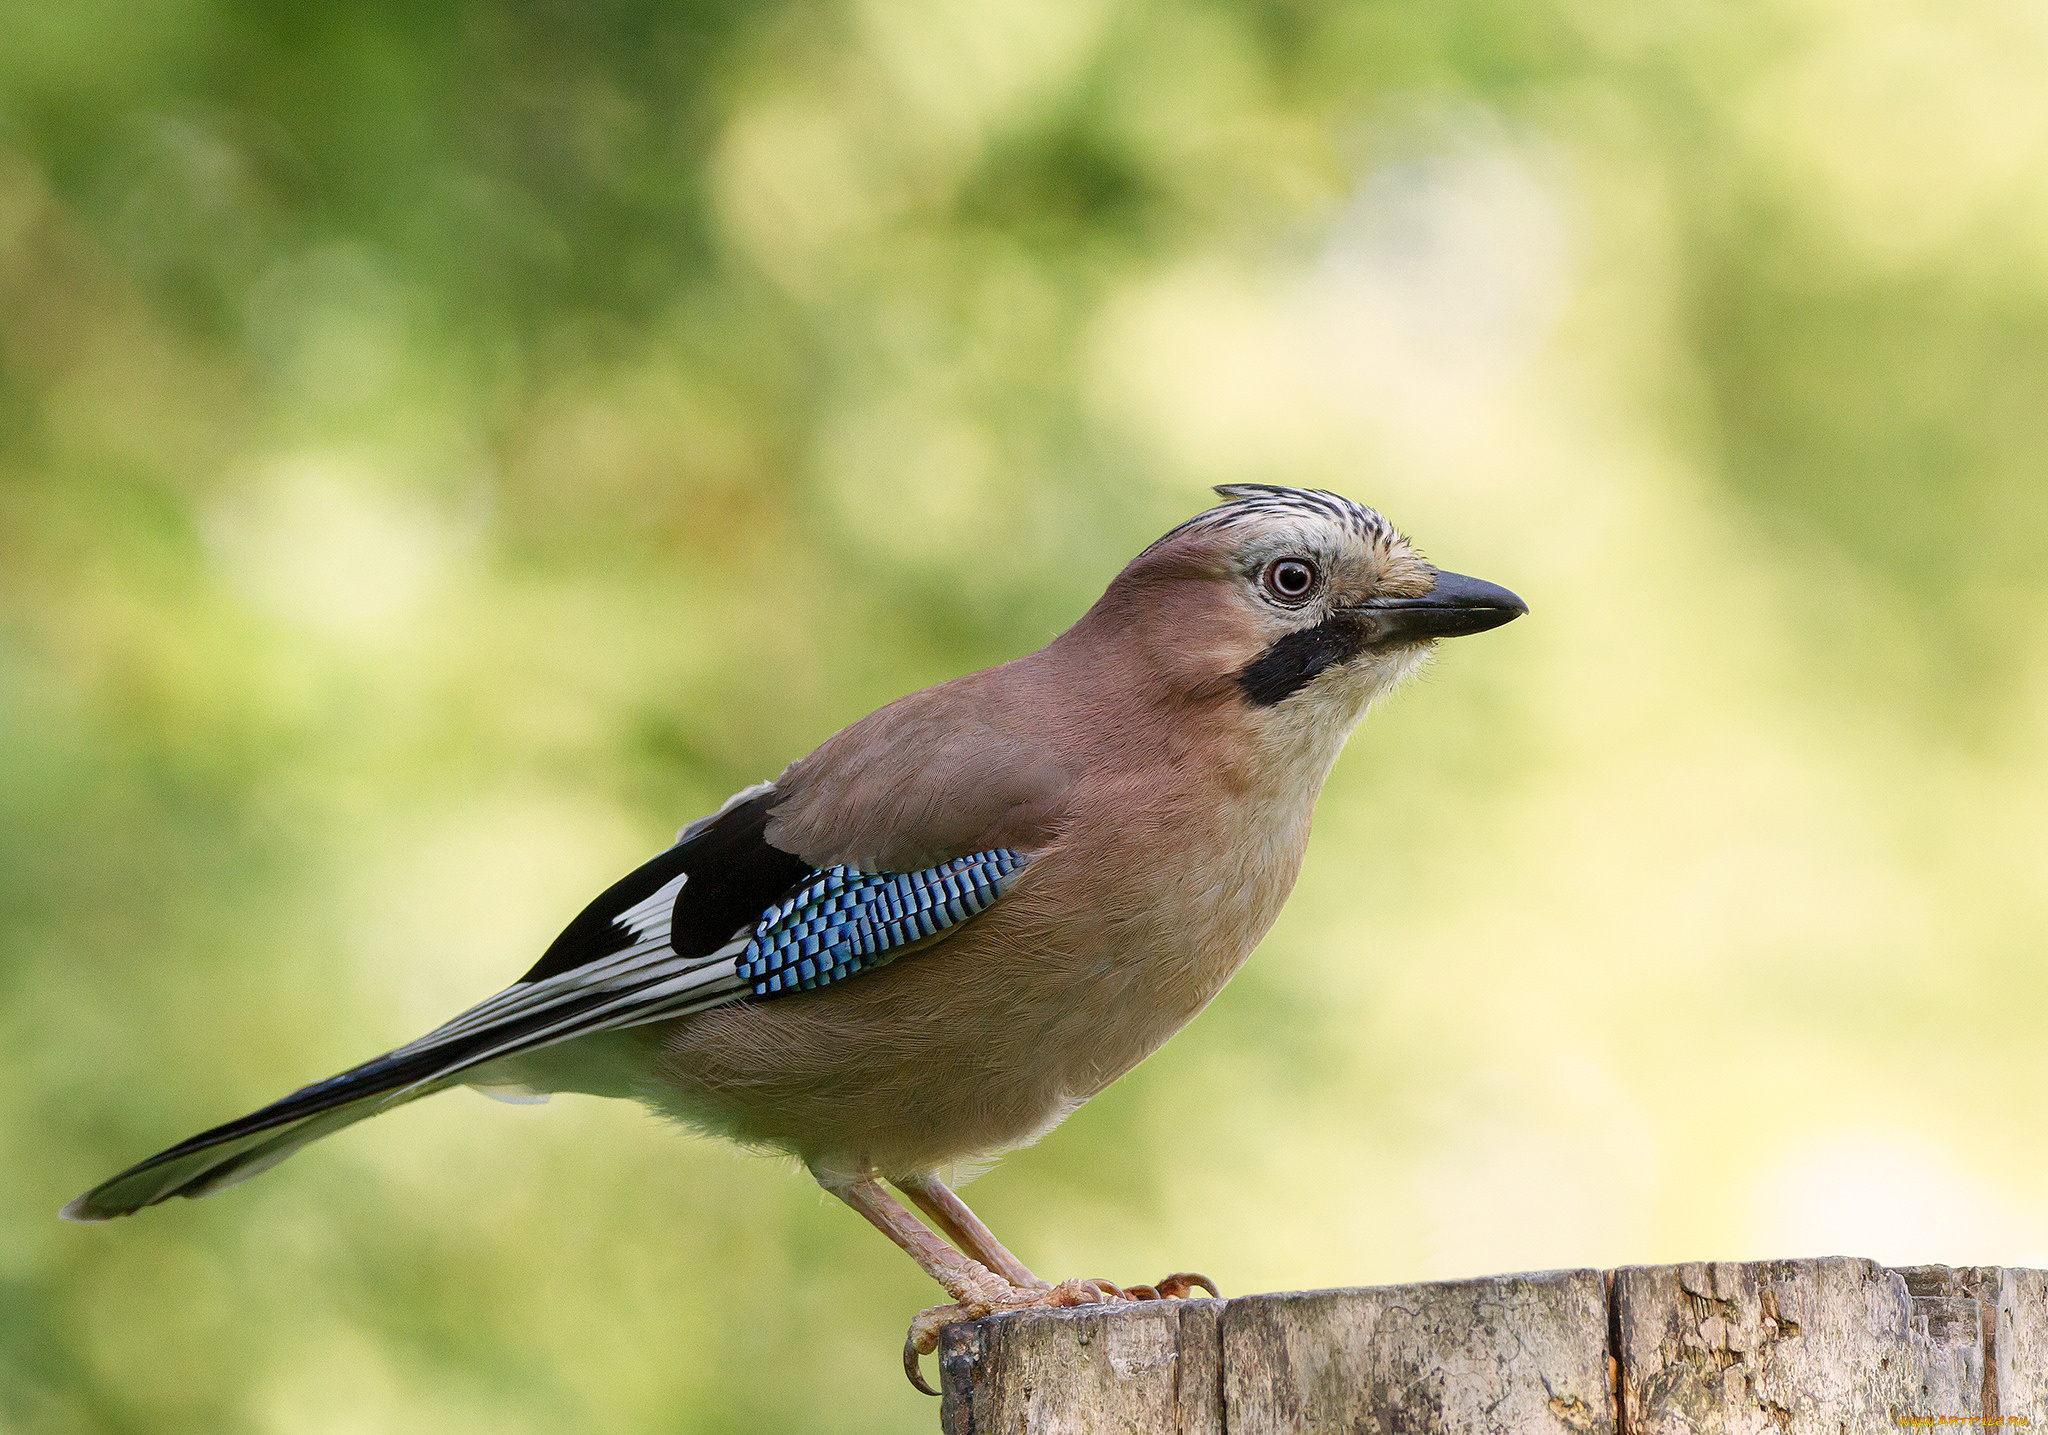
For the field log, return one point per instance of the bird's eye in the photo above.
(1289, 580)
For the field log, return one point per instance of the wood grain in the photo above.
(1835, 1345)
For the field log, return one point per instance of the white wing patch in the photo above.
(646, 980)
(649, 920)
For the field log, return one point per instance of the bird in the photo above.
(930, 940)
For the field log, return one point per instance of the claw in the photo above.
(1079, 1292)
(910, 1363)
(923, 1338)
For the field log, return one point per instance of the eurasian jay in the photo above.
(933, 938)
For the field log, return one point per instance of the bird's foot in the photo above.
(993, 1297)
(996, 1295)
(1173, 1287)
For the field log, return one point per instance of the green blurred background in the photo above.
(443, 447)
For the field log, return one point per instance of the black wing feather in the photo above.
(735, 874)
(613, 967)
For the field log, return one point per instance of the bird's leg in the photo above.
(965, 1230)
(965, 1279)
(976, 1290)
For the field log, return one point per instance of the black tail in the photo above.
(214, 1160)
(617, 965)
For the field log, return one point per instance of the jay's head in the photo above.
(1294, 601)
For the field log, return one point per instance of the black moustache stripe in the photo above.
(1293, 662)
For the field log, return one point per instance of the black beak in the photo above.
(1456, 606)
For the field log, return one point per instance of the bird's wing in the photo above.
(724, 915)
(965, 766)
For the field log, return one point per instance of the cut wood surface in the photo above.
(1831, 1346)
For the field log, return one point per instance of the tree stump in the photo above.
(1831, 1347)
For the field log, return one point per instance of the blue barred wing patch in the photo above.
(845, 921)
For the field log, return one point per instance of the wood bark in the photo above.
(1828, 1346)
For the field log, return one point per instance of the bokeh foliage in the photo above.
(444, 447)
